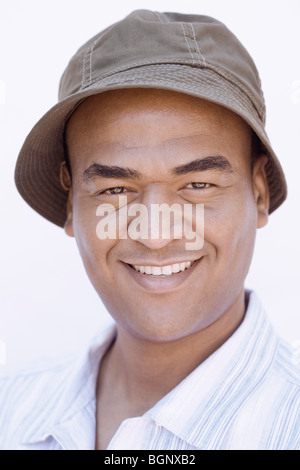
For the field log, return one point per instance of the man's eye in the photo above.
(117, 190)
(198, 185)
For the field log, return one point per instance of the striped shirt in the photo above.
(244, 396)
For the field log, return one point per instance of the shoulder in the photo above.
(27, 392)
(284, 379)
(34, 374)
(286, 366)
(35, 399)
(270, 418)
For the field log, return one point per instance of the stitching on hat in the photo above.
(186, 84)
(197, 45)
(162, 18)
(186, 40)
(87, 59)
(145, 62)
(83, 68)
(91, 58)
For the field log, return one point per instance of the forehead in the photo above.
(135, 121)
(111, 105)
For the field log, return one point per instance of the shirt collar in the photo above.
(215, 390)
(210, 394)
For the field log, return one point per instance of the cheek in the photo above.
(230, 231)
(93, 251)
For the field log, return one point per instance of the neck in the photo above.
(144, 371)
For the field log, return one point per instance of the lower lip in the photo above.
(160, 283)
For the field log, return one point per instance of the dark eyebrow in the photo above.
(96, 170)
(202, 164)
(104, 171)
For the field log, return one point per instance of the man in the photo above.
(160, 108)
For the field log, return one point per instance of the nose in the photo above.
(157, 219)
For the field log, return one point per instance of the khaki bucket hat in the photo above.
(191, 54)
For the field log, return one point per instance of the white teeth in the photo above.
(164, 270)
(175, 268)
(156, 270)
(182, 266)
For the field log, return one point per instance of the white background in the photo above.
(47, 305)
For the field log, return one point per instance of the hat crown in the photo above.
(145, 38)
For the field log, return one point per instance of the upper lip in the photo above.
(160, 263)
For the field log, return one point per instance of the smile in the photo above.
(160, 271)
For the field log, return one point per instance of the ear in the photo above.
(69, 220)
(65, 181)
(261, 190)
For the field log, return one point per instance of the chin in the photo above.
(165, 326)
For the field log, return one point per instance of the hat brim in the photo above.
(37, 173)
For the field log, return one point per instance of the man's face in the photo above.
(153, 146)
